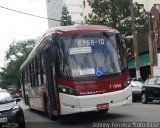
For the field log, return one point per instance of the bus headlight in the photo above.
(66, 90)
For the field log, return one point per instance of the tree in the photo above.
(65, 18)
(116, 14)
(15, 56)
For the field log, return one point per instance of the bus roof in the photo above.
(68, 30)
(79, 28)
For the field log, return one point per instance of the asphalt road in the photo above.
(133, 115)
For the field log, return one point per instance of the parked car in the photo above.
(135, 79)
(136, 90)
(11, 114)
(151, 90)
(15, 92)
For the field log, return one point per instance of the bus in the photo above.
(75, 69)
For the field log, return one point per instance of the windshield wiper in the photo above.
(111, 40)
(115, 47)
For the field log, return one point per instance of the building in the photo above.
(148, 4)
(86, 10)
(54, 10)
(143, 46)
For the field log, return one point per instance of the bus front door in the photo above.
(52, 88)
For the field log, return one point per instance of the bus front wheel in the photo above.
(49, 112)
(47, 107)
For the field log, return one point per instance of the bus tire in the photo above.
(103, 111)
(29, 104)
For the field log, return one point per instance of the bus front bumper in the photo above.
(70, 104)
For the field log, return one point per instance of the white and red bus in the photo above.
(76, 69)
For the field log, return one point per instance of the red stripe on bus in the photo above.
(96, 86)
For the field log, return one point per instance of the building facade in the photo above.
(54, 10)
(86, 10)
(148, 4)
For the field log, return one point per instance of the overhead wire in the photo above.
(25, 13)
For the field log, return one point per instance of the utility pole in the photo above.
(134, 32)
(150, 46)
(152, 43)
(155, 14)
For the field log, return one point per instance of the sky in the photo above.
(15, 26)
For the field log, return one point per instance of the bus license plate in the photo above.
(102, 106)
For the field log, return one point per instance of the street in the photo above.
(135, 112)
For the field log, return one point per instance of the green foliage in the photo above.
(116, 14)
(15, 56)
(65, 18)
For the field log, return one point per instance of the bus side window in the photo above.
(39, 70)
(23, 82)
(22, 77)
(43, 70)
(25, 72)
(26, 75)
(36, 71)
(31, 73)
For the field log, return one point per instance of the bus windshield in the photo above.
(93, 54)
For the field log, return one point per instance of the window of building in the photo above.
(141, 6)
(84, 4)
(157, 6)
(85, 19)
